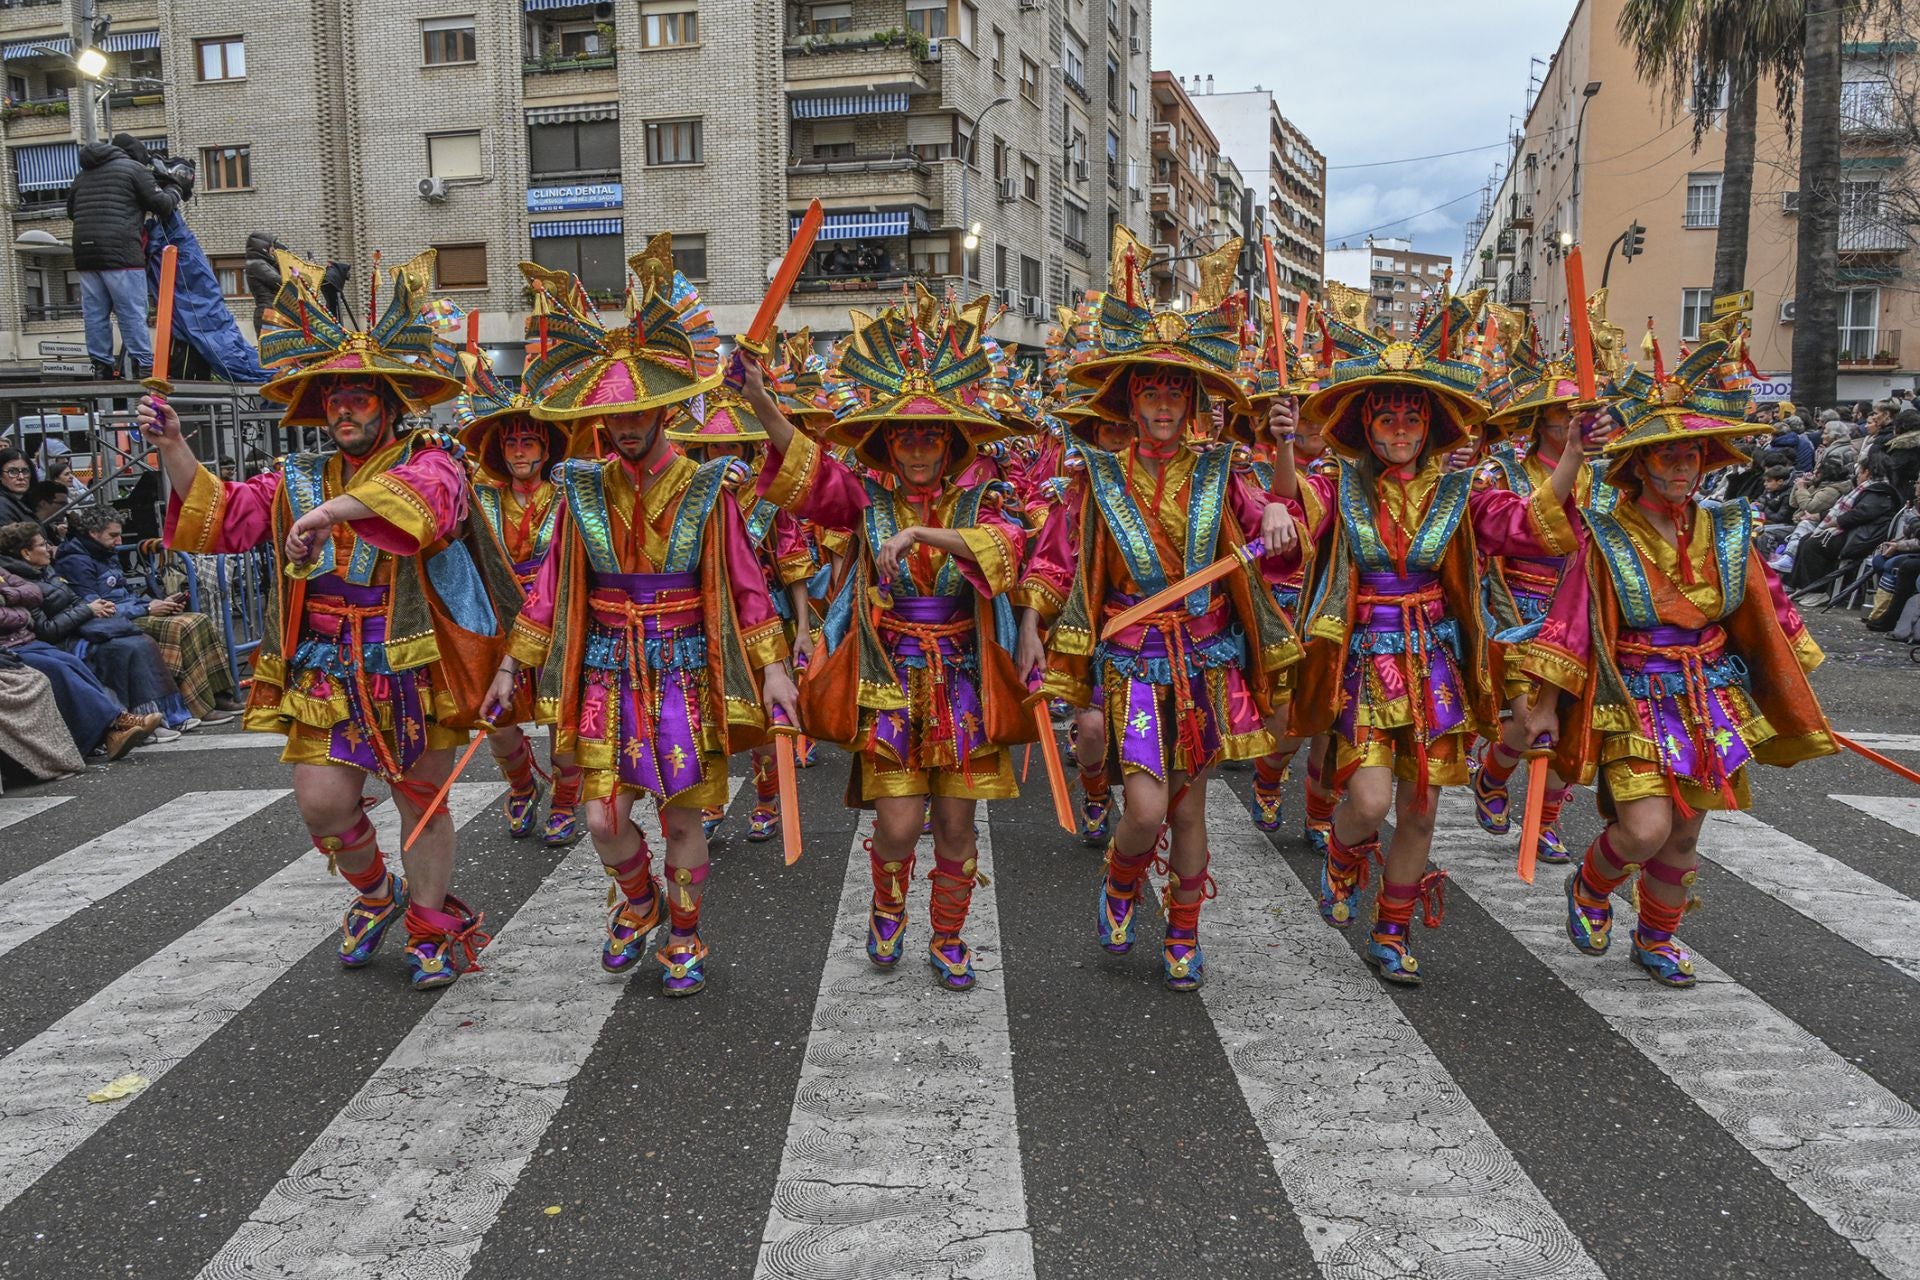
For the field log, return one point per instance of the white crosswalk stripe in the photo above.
(220, 742)
(1902, 812)
(1832, 1134)
(470, 1089)
(19, 808)
(160, 1011)
(1887, 741)
(880, 1179)
(35, 901)
(1825, 890)
(1388, 1165)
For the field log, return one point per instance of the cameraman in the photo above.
(116, 189)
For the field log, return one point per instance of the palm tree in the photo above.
(1816, 329)
(1693, 48)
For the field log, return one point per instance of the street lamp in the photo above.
(972, 240)
(91, 63)
(1579, 123)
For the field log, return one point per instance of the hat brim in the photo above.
(865, 435)
(657, 386)
(1107, 377)
(1337, 408)
(304, 390)
(484, 438)
(1717, 451)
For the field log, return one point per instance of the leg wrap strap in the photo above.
(952, 895)
(1184, 917)
(683, 896)
(358, 836)
(890, 879)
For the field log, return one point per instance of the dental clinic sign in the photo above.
(594, 195)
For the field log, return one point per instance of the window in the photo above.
(930, 137)
(690, 256)
(1133, 101)
(1703, 200)
(1029, 276)
(1113, 14)
(999, 157)
(927, 17)
(576, 148)
(969, 23)
(1076, 226)
(826, 19)
(1001, 261)
(1030, 178)
(1859, 324)
(444, 40)
(929, 256)
(1133, 22)
(1696, 308)
(673, 142)
(597, 260)
(460, 266)
(832, 140)
(999, 53)
(1714, 95)
(668, 24)
(454, 155)
(224, 58)
(1073, 60)
(584, 39)
(1113, 83)
(226, 168)
(231, 271)
(1029, 79)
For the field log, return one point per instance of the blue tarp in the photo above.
(200, 312)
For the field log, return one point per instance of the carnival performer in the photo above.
(1188, 686)
(1396, 664)
(1538, 414)
(719, 424)
(922, 688)
(512, 454)
(1678, 656)
(389, 606)
(649, 621)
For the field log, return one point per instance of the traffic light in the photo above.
(1635, 243)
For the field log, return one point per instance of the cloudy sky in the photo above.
(1400, 78)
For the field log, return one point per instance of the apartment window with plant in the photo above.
(222, 58)
(826, 19)
(668, 24)
(226, 168)
(1029, 79)
(574, 149)
(672, 142)
(454, 155)
(446, 40)
(598, 260)
(460, 266)
(1696, 308)
(927, 18)
(690, 255)
(1703, 200)
(1859, 324)
(583, 39)
(1030, 178)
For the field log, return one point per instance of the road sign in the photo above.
(65, 368)
(1728, 303)
(64, 350)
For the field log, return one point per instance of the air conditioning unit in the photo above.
(1789, 202)
(432, 190)
(1005, 298)
(1135, 45)
(1033, 305)
(1787, 310)
(1079, 170)
(1027, 6)
(1009, 190)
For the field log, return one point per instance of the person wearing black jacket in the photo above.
(1853, 533)
(111, 197)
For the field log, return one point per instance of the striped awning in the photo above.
(849, 104)
(577, 227)
(116, 42)
(861, 226)
(47, 166)
(127, 41)
(574, 114)
(535, 6)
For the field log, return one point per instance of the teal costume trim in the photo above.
(1133, 535)
(305, 478)
(583, 484)
(1430, 544)
(1732, 532)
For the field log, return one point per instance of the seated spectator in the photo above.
(1812, 497)
(1896, 564)
(49, 499)
(126, 659)
(95, 719)
(1776, 500)
(16, 478)
(1904, 444)
(1792, 436)
(34, 742)
(188, 641)
(1852, 529)
(1835, 436)
(59, 469)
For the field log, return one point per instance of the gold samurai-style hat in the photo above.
(797, 377)
(311, 345)
(919, 362)
(1430, 361)
(1132, 333)
(1697, 401)
(666, 351)
(1524, 381)
(720, 416)
(487, 408)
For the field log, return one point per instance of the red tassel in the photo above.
(1130, 269)
(373, 289)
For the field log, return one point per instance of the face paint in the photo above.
(1397, 424)
(523, 446)
(919, 452)
(357, 415)
(1162, 401)
(1670, 472)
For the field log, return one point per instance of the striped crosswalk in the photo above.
(908, 1137)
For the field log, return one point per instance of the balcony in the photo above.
(553, 62)
(822, 64)
(1160, 198)
(138, 109)
(850, 179)
(1885, 353)
(48, 117)
(815, 282)
(50, 313)
(1520, 210)
(1162, 138)
(1870, 109)
(1518, 289)
(1871, 235)
(1504, 244)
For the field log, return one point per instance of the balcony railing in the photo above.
(1871, 235)
(550, 63)
(1878, 351)
(1696, 219)
(1503, 244)
(51, 311)
(1519, 288)
(817, 281)
(1520, 211)
(1870, 108)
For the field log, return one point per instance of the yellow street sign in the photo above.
(1728, 303)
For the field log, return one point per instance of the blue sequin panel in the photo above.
(607, 651)
(1384, 640)
(1225, 649)
(1728, 672)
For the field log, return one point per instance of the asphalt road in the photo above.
(1529, 1112)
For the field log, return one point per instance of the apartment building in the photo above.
(1398, 279)
(972, 144)
(1182, 199)
(1284, 169)
(1602, 151)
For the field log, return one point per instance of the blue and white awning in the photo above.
(577, 227)
(861, 226)
(127, 41)
(849, 104)
(535, 6)
(116, 42)
(47, 166)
